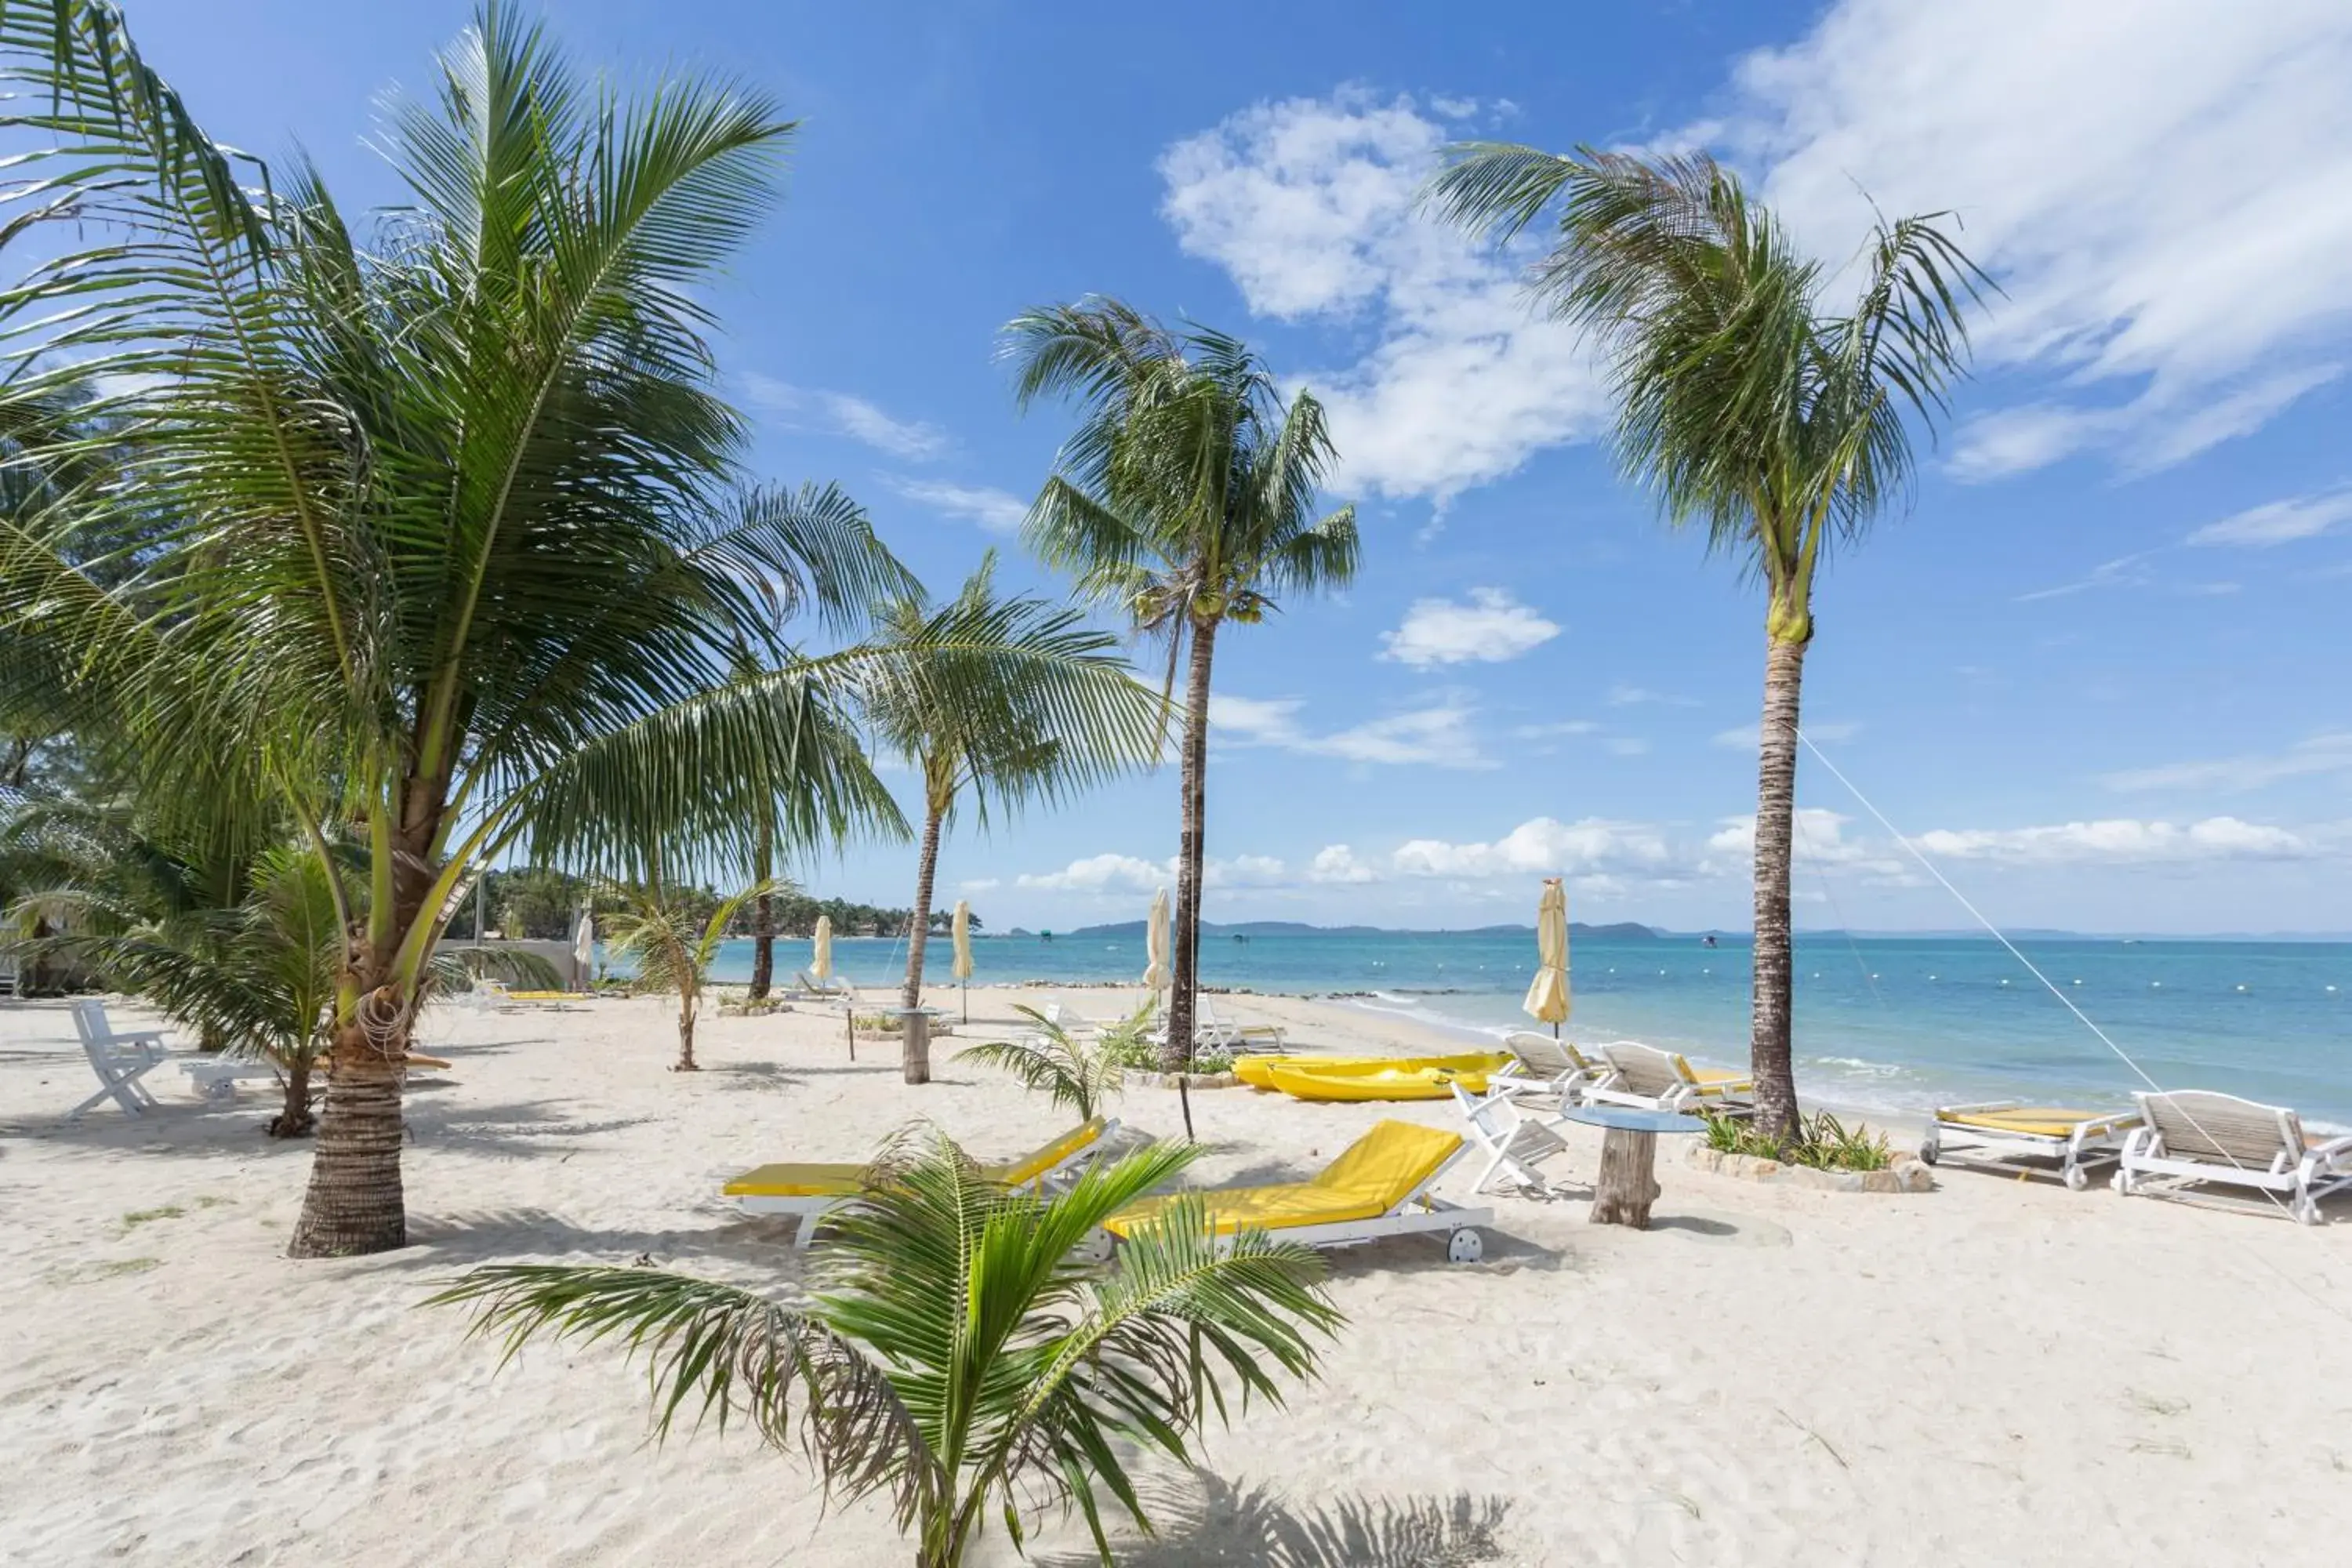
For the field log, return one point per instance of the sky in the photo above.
(2095, 670)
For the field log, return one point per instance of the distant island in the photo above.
(1133, 930)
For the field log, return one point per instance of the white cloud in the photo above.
(2124, 572)
(1439, 736)
(978, 884)
(2177, 260)
(1338, 863)
(1100, 874)
(2321, 754)
(1818, 838)
(1308, 204)
(1561, 727)
(2123, 841)
(996, 510)
(1544, 846)
(1491, 628)
(1637, 695)
(2280, 522)
(1246, 871)
(1746, 737)
(845, 414)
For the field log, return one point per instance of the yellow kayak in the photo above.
(1257, 1071)
(1384, 1078)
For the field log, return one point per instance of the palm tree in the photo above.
(1064, 711)
(673, 943)
(948, 1352)
(1075, 1075)
(1749, 403)
(439, 542)
(1187, 499)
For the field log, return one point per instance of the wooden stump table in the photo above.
(1628, 1183)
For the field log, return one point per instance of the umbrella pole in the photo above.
(849, 1018)
(1184, 1098)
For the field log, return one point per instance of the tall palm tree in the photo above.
(440, 541)
(673, 941)
(1749, 402)
(1187, 499)
(950, 1353)
(1064, 713)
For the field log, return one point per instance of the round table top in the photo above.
(1627, 1119)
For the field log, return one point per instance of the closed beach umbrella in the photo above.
(1547, 998)
(1155, 945)
(584, 950)
(963, 931)
(821, 964)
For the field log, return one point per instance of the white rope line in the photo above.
(2031, 967)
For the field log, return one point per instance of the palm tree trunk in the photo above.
(686, 1000)
(1776, 801)
(1177, 1056)
(915, 1049)
(763, 917)
(293, 1120)
(354, 1204)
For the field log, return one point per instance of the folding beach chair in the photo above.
(119, 1060)
(1514, 1142)
(2191, 1137)
(812, 1191)
(1379, 1186)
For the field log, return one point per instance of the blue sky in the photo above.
(2098, 669)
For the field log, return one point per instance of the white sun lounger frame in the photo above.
(2093, 1143)
(2266, 1142)
(1419, 1213)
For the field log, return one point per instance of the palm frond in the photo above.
(720, 1351)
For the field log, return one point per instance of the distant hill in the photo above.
(1132, 931)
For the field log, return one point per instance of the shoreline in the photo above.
(275, 1411)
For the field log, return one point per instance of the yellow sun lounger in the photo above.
(814, 1191)
(2002, 1135)
(1378, 1187)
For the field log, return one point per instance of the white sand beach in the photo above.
(1995, 1372)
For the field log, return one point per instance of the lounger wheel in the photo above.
(2306, 1211)
(1096, 1248)
(1464, 1246)
(2077, 1178)
(1928, 1152)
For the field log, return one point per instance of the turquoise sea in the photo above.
(1884, 1024)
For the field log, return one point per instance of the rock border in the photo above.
(1189, 1080)
(1908, 1173)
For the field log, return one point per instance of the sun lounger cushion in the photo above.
(1021, 1172)
(2027, 1120)
(1714, 1077)
(1377, 1173)
(828, 1180)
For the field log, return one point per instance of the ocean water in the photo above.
(1886, 1024)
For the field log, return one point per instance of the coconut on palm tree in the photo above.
(440, 540)
(1753, 401)
(1061, 711)
(1187, 499)
(948, 1351)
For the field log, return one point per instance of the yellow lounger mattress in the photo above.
(1377, 1173)
(841, 1181)
(2027, 1120)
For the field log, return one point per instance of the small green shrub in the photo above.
(1820, 1141)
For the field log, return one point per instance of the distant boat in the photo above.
(1707, 941)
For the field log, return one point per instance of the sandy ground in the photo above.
(1997, 1371)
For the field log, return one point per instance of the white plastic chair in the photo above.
(119, 1060)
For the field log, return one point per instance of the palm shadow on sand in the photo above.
(1205, 1522)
